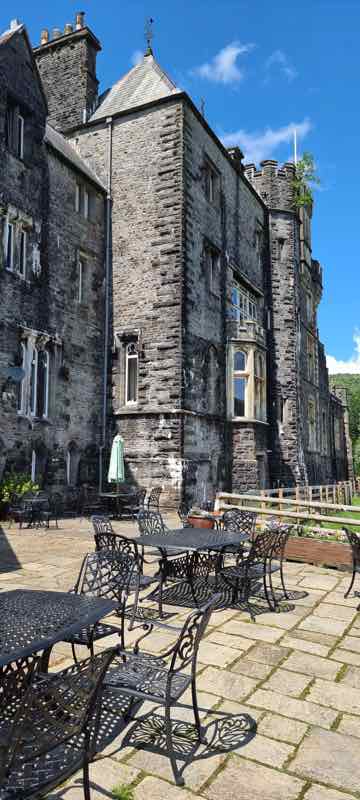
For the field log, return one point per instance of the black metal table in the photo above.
(32, 621)
(192, 539)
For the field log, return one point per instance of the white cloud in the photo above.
(136, 57)
(223, 68)
(352, 365)
(260, 145)
(279, 59)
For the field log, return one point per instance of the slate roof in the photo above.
(69, 153)
(144, 83)
(4, 37)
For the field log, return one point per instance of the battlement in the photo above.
(317, 272)
(274, 183)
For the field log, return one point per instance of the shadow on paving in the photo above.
(183, 595)
(9, 561)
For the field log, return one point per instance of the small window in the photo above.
(21, 384)
(33, 466)
(83, 200)
(22, 254)
(77, 197)
(9, 254)
(260, 387)
(212, 183)
(131, 374)
(81, 280)
(86, 204)
(20, 136)
(42, 381)
(33, 381)
(312, 424)
(214, 271)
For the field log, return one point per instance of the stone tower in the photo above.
(67, 65)
(299, 409)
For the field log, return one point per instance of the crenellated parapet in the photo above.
(273, 183)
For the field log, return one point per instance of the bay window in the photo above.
(246, 382)
(243, 304)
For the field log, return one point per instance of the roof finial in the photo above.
(149, 35)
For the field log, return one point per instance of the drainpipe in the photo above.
(109, 123)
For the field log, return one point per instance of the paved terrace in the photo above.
(280, 698)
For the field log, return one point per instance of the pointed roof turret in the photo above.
(143, 84)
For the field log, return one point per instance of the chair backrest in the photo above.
(261, 550)
(153, 499)
(187, 646)
(239, 520)
(354, 542)
(106, 574)
(109, 540)
(280, 532)
(150, 523)
(51, 713)
(183, 512)
(101, 524)
(140, 498)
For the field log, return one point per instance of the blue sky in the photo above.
(261, 68)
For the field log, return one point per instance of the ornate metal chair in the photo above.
(189, 567)
(164, 684)
(105, 574)
(354, 542)
(53, 511)
(153, 500)
(53, 731)
(183, 513)
(133, 504)
(240, 520)
(263, 559)
(106, 539)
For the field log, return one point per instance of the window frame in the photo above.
(260, 386)
(21, 405)
(10, 227)
(246, 300)
(80, 278)
(212, 182)
(312, 425)
(20, 136)
(214, 268)
(22, 254)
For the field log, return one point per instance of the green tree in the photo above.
(304, 181)
(352, 384)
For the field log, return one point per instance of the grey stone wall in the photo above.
(43, 307)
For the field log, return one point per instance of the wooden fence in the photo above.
(298, 510)
(335, 493)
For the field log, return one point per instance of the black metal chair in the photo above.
(153, 501)
(20, 510)
(106, 539)
(105, 574)
(53, 731)
(183, 513)
(263, 559)
(189, 567)
(132, 504)
(239, 520)
(52, 513)
(156, 682)
(354, 542)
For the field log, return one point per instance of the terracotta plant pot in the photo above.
(201, 522)
(319, 551)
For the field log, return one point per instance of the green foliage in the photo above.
(352, 384)
(122, 792)
(16, 484)
(305, 179)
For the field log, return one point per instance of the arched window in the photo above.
(131, 373)
(240, 383)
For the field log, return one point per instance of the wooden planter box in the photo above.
(200, 522)
(317, 551)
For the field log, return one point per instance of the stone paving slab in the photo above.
(332, 611)
(253, 630)
(301, 710)
(329, 757)
(282, 728)
(335, 695)
(244, 780)
(288, 683)
(312, 665)
(322, 793)
(333, 627)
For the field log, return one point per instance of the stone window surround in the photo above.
(122, 339)
(250, 349)
(212, 181)
(15, 128)
(21, 225)
(212, 261)
(32, 343)
(312, 424)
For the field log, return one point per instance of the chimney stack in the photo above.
(68, 28)
(56, 33)
(44, 38)
(79, 20)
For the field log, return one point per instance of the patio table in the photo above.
(192, 539)
(32, 621)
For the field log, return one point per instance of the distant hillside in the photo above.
(352, 384)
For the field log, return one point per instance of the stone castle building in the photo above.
(153, 285)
